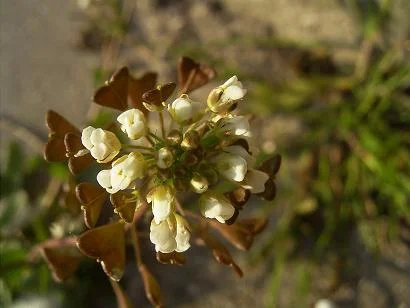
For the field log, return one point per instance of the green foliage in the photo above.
(23, 225)
(351, 158)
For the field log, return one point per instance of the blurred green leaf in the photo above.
(59, 171)
(14, 212)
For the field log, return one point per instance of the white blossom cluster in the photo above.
(200, 153)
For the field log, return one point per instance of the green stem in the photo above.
(150, 140)
(161, 121)
(155, 137)
(139, 147)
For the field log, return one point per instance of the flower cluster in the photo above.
(172, 165)
(207, 147)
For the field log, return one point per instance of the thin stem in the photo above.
(150, 140)
(136, 245)
(161, 121)
(138, 147)
(180, 208)
(193, 215)
(188, 82)
(122, 298)
(155, 137)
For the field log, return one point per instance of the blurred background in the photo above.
(329, 84)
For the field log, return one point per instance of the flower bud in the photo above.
(216, 206)
(210, 173)
(124, 171)
(214, 98)
(190, 140)
(133, 123)
(222, 98)
(183, 110)
(165, 158)
(190, 159)
(103, 145)
(174, 137)
(199, 184)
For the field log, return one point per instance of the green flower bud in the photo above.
(191, 140)
(165, 158)
(199, 184)
(174, 137)
(214, 99)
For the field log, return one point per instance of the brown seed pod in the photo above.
(151, 286)
(171, 258)
(138, 86)
(62, 257)
(124, 204)
(79, 164)
(240, 234)
(270, 190)
(239, 196)
(220, 252)
(92, 199)
(193, 75)
(154, 99)
(58, 127)
(115, 93)
(272, 165)
(107, 245)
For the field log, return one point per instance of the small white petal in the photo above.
(216, 206)
(104, 178)
(162, 200)
(232, 167)
(163, 234)
(85, 137)
(182, 237)
(255, 181)
(231, 81)
(81, 152)
(240, 151)
(238, 126)
(124, 171)
(233, 93)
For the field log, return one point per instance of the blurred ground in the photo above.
(40, 69)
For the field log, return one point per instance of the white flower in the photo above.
(170, 235)
(255, 181)
(124, 171)
(223, 97)
(162, 199)
(183, 110)
(133, 123)
(230, 166)
(242, 152)
(103, 145)
(216, 206)
(235, 126)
